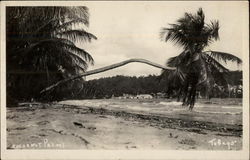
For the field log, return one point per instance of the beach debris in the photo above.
(196, 130)
(19, 128)
(102, 116)
(128, 147)
(188, 141)
(170, 135)
(42, 135)
(42, 122)
(34, 136)
(91, 128)
(11, 117)
(81, 138)
(78, 125)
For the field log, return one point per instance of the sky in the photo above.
(131, 29)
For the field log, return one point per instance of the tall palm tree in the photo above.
(194, 66)
(41, 46)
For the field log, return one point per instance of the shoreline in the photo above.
(161, 121)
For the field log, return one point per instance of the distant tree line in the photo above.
(118, 85)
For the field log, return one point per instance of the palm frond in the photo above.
(214, 29)
(179, 36)
(186, 19)
(222, 56)
(53, 25)
(79, 61)
(219, 77)
(174, 78)
(211, 61)
(66, 45)
(178, 75)
(173, 61)
(63, 43)
(76, 60)
(69, 70)
(181, 60)
(33, 45)
(76, 12)
(191, 32)
(64, 12)
(56, 55)
(76, 35)
(48, 18)
(80, 52)
(211, 32)
(47, 24)
(205, 77)
(163, 33)
(72, 23)
(71, 48)
(201, 14)
(215, 71)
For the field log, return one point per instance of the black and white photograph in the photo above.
(126, 78)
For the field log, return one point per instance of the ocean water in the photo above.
(226, 111)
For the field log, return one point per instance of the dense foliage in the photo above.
(152, 84)
(40, 49)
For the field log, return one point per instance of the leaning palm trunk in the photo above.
(103, 69)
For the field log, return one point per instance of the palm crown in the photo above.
(191, 32)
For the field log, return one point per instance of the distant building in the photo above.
(144, 96)
(235, 91)
(160, 95)
(125, 96)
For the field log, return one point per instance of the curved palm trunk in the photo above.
(103, 69)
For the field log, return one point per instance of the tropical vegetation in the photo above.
(41, 49)
(44, 62)
(155, 85)
(197, 68)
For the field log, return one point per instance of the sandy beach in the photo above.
(66, 125)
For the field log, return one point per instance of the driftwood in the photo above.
(103, 69)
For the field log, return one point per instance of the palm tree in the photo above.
(41, 47)
(195, 67)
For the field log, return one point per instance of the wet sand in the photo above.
(64, 126)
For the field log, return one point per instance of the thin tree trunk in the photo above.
(179, 94)
(192, 97)
(103, 69)
(185, 93)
